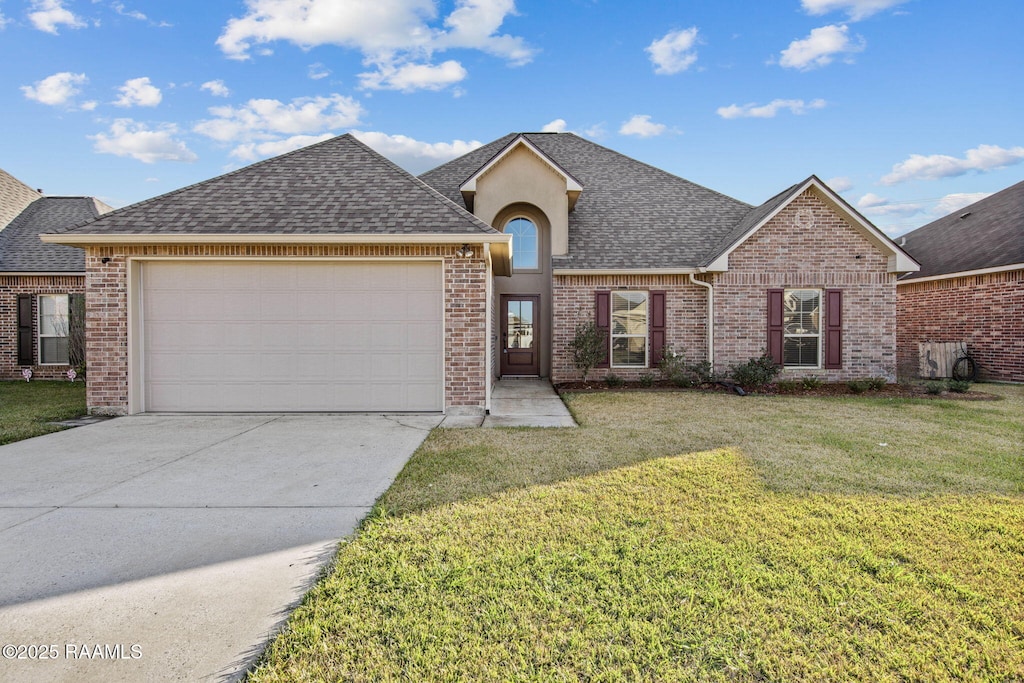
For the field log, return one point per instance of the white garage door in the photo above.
(287, 336)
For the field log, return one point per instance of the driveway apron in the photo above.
(171, 547)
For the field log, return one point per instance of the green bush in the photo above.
(646, 380)
(675, 369)
(756, 373)
(812, 382)
(788, 386)
(859, 386)
(613, 380)
(935, 387)
(959, 386)
(589, 346)
(876, 383)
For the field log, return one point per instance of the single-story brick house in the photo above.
(330, 279)
(39, 283)
(970, 287)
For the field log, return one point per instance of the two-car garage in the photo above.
(288, 335)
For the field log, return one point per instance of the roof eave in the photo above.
(573, 187)
(99, 239)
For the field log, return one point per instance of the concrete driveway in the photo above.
(170, 547)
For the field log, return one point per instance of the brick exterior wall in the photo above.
(573, 302)
(832, 254)
(10, 287)
(107, 311)
(986, 311)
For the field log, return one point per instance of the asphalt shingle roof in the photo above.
(14, 197)
(339, 186)
(629, 215)
(986, 234)
(21, 250)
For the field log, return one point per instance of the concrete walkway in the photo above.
(519, 403)
(171, 547)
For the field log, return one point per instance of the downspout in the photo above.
(489, 344)
(711, 317)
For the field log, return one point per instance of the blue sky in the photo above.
(909, 108)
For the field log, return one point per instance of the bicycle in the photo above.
(965, 368)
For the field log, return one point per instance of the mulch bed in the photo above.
(837, 389)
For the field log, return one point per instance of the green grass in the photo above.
(688, 537)
(27, 407)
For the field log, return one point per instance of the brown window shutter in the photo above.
(76, 330)
(776, 332)
(833, 329)
(602, 317)
(657, 325)
(25, 329)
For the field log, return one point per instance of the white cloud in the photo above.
(48, 15)
(3, 21)
(855, 9)
(982, 158)
(216, 88)
(252, 151)
(873, 205)
(265, 119)
(556, 126)
(673, 52)
(411, 77)
(133, 14)
(89, 106)
(958, 200)
(56, 90)
(768, 111)
(820, 48)
(413, 155)
(138, 92)
(128, 138)
(318, 71)
(397, 37)
(642, 126)
(840, 183)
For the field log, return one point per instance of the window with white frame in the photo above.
(54, 329)
(801, 319)
(525, 244)
(629, 329)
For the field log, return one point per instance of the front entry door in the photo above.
(520, 338)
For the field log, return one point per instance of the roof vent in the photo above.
(965, 215)
(903, 241)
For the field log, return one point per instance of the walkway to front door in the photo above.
(520, 335)
(519, 403)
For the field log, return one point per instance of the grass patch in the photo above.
(27, 407)
(688, 537)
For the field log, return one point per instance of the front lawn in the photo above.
(689, 537)
(26, 408)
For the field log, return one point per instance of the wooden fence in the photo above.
(935, 359)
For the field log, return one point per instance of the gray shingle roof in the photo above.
(630, 214)
(14, 197)
(339, 186)
(986, 234)
(21, 250)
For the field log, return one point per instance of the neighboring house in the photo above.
(329, 279)
(39, 284)
(970, 287)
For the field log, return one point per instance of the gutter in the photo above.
(711, 317)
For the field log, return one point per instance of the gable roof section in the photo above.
(986, 234)
(339, 187)
(14, 197)
(630, 216)
(21, 251)
(718, 257)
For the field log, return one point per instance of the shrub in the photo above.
(756, 373)
(788, 386)
(876, 383)
(812, 382)
(589, 346)
(858, 386)
(675, 369)
(646, 380)
(613, 380)
(935, 387)
(959, 386)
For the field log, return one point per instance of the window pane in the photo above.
(524, 243)
(801, 311)
(53, 350)
(53, 315)
(800, 352)
(520, 324)
(629, 351)
(629, 313)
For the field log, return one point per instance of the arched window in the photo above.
(525, 245)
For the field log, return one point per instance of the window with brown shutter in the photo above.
(833, 329)
(602, 315)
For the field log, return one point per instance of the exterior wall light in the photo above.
(464, 251)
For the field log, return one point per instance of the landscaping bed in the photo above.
(916, 390)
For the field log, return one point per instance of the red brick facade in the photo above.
(10, 287)
(986, 311)
(828, 253)
(107, 311)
